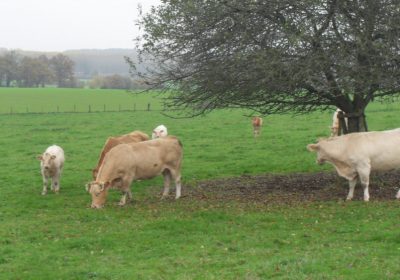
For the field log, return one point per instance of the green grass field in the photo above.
(59, 237)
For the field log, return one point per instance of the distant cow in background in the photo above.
(257, 124)
(336, 127)
(51, 165)
(133, 137)
(159, 131)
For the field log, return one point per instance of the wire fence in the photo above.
(89, 108)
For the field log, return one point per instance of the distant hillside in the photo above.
(89, 62)
(102, 62)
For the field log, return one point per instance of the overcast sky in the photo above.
(58, 25)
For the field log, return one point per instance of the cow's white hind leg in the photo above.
(167, 183)
(398, 194)
(352, 185)
(364, 179)
(44, 191)
(55, 184)
(178, 187)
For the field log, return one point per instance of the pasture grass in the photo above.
(59, 237)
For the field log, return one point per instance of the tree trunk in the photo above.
(356, 122)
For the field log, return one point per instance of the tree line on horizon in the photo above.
(19, 69)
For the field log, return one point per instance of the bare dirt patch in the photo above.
(293, 188)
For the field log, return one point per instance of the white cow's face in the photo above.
(98, 192)
(47, 160)
(321, 155)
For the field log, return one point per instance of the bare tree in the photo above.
(277, 56)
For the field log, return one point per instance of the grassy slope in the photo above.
(58, 237)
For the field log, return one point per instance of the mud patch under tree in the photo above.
(293, 188)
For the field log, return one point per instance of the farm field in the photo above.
(216, 230)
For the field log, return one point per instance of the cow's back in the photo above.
(379, 149)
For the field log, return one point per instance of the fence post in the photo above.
(148, 106)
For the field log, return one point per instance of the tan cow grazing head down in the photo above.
(133, 137)
(257, 124)
(355, 155)
(126, 163)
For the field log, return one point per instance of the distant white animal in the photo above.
(159, 131)
(51, 165)
(335, 128)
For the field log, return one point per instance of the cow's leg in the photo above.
(352, 185)
(45, 180)
(364, 179)
(177, 178)
(126, 192)
(178, 187)
(167, 182)
(55, 184)
(398, 194)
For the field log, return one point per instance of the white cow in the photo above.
(335, 128)
(355, 155)
(51, 165)
(159, 131)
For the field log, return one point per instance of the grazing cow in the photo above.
(133, 137)
(257, 124)
(51, 165)
(355, 155)
(159, 131)
(126, 163)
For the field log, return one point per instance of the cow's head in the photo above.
(159, 131)
(321, 159)
(47, 160)
(98, 192)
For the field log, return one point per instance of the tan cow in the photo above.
(126, 163)
(355, 155)
(133, 137)
(257, 124)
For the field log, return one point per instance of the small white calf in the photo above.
(51, 165)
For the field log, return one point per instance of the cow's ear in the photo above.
(53, 157)
(312, 147)
(40, 157)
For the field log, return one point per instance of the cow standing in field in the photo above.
(336, 126)
(133, 137)
(257, 124)
(51, 165)
(355, 155)
(126, 163)
(159, 131)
